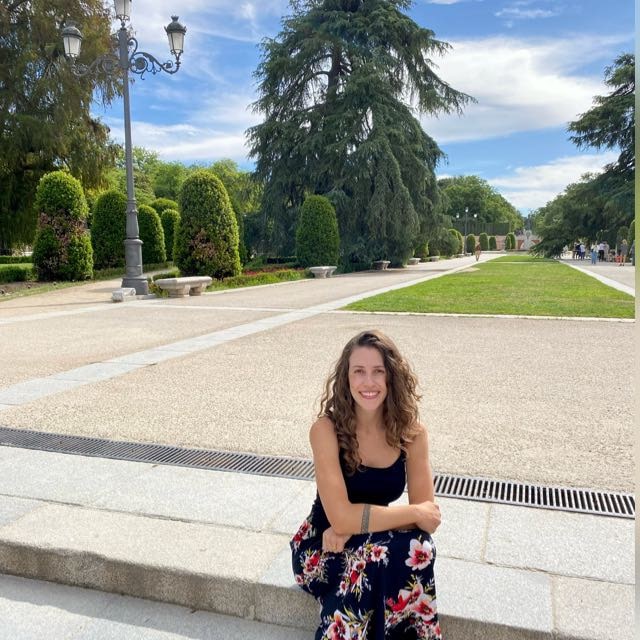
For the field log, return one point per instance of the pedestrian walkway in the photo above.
(619, 277)
(240, 370)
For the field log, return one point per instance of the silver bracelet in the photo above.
(364, 526)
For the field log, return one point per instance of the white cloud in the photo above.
(532, 187)
(520, 85)
(516, 13)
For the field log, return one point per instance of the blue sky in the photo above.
(533, 66)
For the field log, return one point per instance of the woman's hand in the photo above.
(332, 541)
(428, 516)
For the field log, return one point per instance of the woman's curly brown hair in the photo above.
(400, 410)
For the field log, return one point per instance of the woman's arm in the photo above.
(346, 518)
(419, 475)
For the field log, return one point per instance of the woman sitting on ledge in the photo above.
(370, 565)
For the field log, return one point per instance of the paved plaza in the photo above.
(526, 399)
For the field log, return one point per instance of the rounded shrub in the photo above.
(493, 245)
(152, 235)
(170, 219)
(317, 239)
(62, 247)
(422, 251)
(109, 229)
(484, 241)
(459, 240)
(162, 204)
(207, 239)
(511, 239)
(470, 243)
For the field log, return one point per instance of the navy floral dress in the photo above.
(381, 586)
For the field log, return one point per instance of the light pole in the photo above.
(466, 217)
(128, 59)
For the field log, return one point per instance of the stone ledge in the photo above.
(215, 568)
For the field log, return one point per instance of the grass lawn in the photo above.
(510, 285)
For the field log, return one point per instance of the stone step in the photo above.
(33, 609)
(247, 574)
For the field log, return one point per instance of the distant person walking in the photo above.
(601, 252)
(594, 254)
(622, 253)
(478, 251)
(582, 250)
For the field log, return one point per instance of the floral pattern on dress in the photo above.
(416, 607)
(420, 554)
(313, 565)
(305, 531)
(346, 625)
(354, 577)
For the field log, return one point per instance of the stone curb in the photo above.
(197, 566)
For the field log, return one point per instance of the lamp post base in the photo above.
(139, 284)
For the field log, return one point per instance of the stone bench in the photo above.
(380, 265)
(414, 261)
(322, 272)
(180, 287)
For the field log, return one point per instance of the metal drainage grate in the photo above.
(608, 503)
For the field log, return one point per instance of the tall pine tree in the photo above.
(340, 89)
(45, 122)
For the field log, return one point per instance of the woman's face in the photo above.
(367, 378)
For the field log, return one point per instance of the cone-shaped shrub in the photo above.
(470, 243)
(152, 235)
(170, 219)
(459, 240)
(317, 239)
(109, 230)
(484, 241)
(493, 245)
(511, 239)
(62, 247)
(162, 204)
(207, 238)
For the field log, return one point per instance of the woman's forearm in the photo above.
(380, 518)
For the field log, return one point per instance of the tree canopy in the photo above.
(45, 123)
(340, 89)
(480, 197)
(599, 205)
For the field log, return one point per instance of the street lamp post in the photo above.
(128, 59)
(466, 218)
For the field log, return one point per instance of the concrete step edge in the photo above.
(262, 600)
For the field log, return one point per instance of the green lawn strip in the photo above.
(544, 288)
(285, 275)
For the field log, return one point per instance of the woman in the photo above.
(478, 251)
(370, 565)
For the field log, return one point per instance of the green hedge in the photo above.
(470, 243)
(62, 247)
(317, 239)
(151, 234)
(484, 242)
(16, 273)
(207, 239)
(170, 220)
(493, 244)
(162, 204)
(16, 259)
(109, 229)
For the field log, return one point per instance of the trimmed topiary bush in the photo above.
(207, 239)
(170, 220)
(109, 230)
(470, 243)
(493, 245)
(62, 247)
(152, 235)
(317, 239)
(484, 242)
(459, 240)
(422, 251)
(162, 204)
(510, 241)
